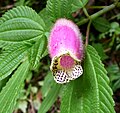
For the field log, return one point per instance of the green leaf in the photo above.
(20, 24)
(99, 48)
(101, 24)
(59, 9)
(3, 82)
(36, 52)
(114, 75)
(45, 17)
(11, 58)
(10, 93)
(90, 93)
(114, 25)
(50, 98)
(77, 4)
(48, 83)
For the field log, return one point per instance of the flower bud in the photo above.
(66, 51)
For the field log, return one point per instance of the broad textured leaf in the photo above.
(36, 52)
(101, 24)
(11, 58)
(20, 24)
(59, 9)
(45, 53)
(50, 98)
(3, 82)
(45, 17)
(10, 93)
(90, 93)
(77, 4)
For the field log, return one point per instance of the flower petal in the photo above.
(64, 76)
(61, 77)
(77, 72)
(65, 37)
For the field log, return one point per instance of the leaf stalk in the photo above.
(99, 13)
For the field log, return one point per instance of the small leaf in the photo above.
(36, 52)
(22, 105)
(10, 93)
(50, 98)
(59, 9)
(114, 75)
(114, 25)
(20, 24)
(11, 58)
(101, 24)
(77, 4)
(90, 93)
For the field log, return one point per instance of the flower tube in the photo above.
(66, 51)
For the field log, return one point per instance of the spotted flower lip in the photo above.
(66, 51)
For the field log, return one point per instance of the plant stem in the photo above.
(115, 16)
(87, 33)
(93, 16)
(95, 7)
(86, 13)
(104, 10)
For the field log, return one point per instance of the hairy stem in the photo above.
(87, 33)
(95, 7)
(93, 16)
(85, 12)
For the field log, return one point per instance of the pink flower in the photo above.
(66, 51)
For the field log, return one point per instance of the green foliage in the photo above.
(11, 91)
(50, 98)
(59, 9)
(36, 52)
(100, 50)
(17, 27)
(48, 83)
(114, 30)
(45, 16)
(91, 92)
(10, 59)
(22, 23)
(23, 43)
(77, 4)
(101, 24)
(114, 74)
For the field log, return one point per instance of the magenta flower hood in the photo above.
(66, 51)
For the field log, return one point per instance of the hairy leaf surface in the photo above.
(11, 91)
(20, 24)
(59, 9)
(77, 4)
(91, 92)
(36, 52)
(45, 17)
(11, 58)
(101, 24)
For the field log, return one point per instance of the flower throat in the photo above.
(66, 62)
